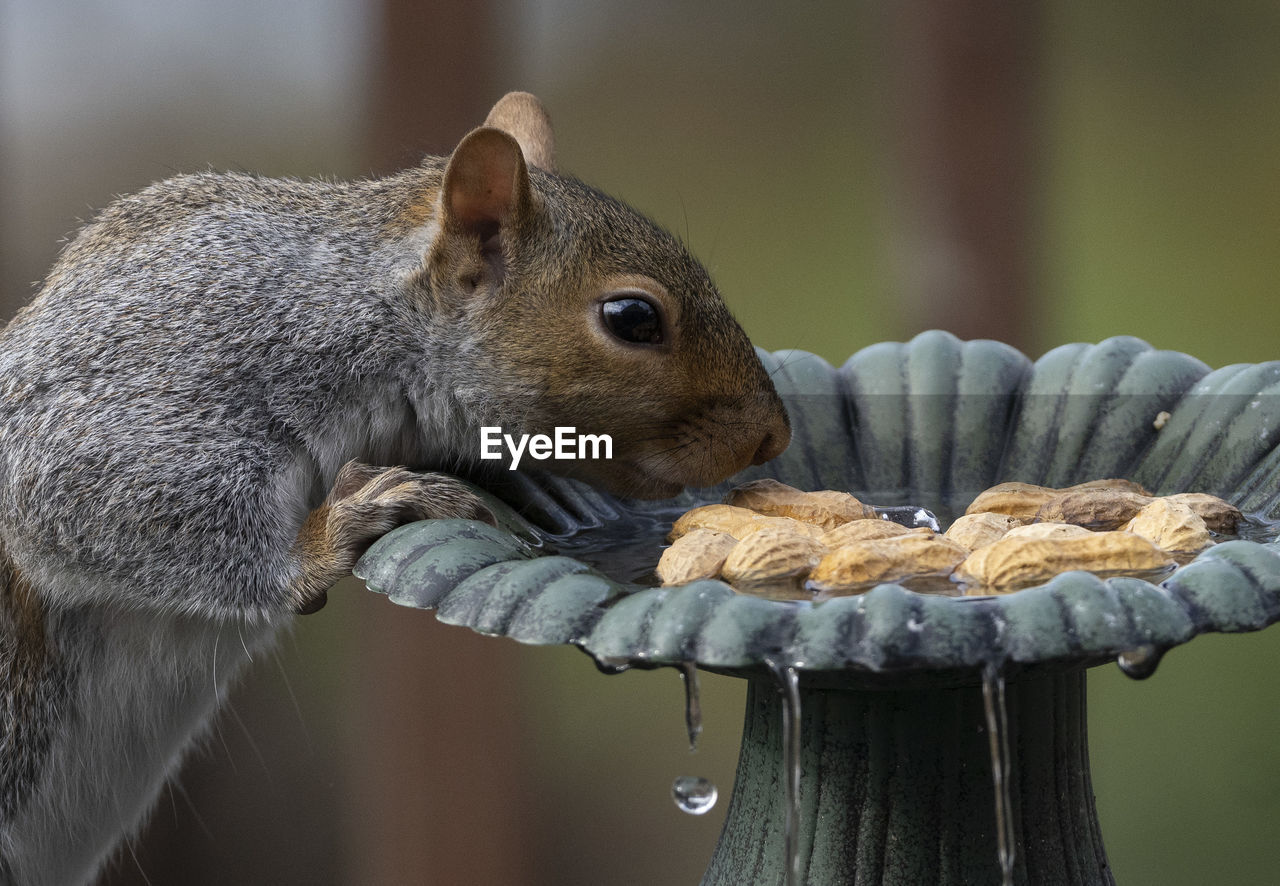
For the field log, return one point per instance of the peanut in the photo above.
(1102, 509)
(1014, 563)
(738, 522)
(772, 554)
(860, 565)
(1218, 515)
(972, 531)
(1172, 526)
(699, 553)
(860, 530)
(827, 509)
(1047, 530)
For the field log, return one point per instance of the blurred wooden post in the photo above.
(434, 77)
(437, 774)
(966, 151)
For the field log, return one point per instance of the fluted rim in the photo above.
(929, 421)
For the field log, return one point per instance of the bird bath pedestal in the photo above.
(900, 707)
(896, 787)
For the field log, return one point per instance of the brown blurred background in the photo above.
(851, 171)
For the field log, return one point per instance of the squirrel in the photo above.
(229, 386)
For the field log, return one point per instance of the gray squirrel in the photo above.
(207, 410)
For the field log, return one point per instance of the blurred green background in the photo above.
(784, 142)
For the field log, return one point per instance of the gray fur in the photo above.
(194, 358)
(142, 684)
(201, 362)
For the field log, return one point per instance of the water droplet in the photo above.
(612, 665)
(692, 703)
(1140, 662)
(789, 685)
(694, 794)
(998, 741)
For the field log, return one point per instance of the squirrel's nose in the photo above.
(775, 441)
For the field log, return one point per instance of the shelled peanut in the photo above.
(769, 537)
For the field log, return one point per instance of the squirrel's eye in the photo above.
(632, 320)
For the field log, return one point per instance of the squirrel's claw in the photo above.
(364, 504)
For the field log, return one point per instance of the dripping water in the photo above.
(1140, 662)
(788, 678)
(693, 793)
(692, 703)
(612, 665)
(998, 743)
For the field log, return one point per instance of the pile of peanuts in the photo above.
(770, 538)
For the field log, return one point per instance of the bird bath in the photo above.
(895, 737)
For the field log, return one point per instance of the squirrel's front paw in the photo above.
(365, 503)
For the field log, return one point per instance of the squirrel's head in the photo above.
(580, 312)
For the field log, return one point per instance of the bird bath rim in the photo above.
(931, 417)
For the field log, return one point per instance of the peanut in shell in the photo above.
(1097, 508)
(698, 554)
(825, 508)
(770, 555)
(735, 521)
(1171, 526)
(1109, 483)
(1023, 500)
(1219, 515)
(862, 564)
(720, 518)
(1019, 500)
(972, 531)
(789, 524)
(861, 530)
(1014, 563)
(1048, 530)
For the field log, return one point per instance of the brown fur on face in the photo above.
(524, 287)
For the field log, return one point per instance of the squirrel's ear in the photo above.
(486, 185)
(522, 116)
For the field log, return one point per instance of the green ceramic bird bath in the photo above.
(875, 723)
